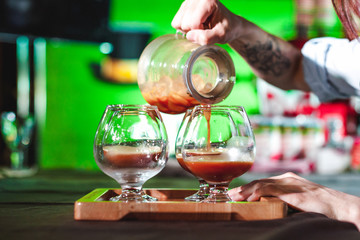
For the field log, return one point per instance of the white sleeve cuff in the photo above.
(332, 68)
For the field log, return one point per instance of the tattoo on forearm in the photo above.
(266, 57)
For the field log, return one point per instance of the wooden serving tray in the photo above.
(171, 206)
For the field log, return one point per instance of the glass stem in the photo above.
(218, 193)
(204, 187)
(130, 193)
(131, 189)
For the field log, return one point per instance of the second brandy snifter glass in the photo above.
(218, 146)
(131, 146)
(203, 191)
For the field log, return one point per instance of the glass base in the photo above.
(19, 173)
(218, 194)
(147, 198)
(196, 197)
(133, 195)
(200, 195)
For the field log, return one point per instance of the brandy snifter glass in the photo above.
(131, 146)
(218, 147)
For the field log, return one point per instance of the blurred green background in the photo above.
(76, 99)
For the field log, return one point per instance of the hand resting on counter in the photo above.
(303, 195)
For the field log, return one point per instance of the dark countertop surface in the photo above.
(42, 207)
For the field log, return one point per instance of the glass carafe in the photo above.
(175, 74)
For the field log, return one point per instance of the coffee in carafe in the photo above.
(175, 74)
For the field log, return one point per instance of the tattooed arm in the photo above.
(271, 58)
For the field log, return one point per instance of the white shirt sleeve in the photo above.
(332, 67)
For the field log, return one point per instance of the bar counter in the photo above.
(42, 207)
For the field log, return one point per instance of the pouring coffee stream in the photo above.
(175, 74)
(207, 115)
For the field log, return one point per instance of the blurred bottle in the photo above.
(313, 137)
(325, 19)
(120, 66)
(304, 19)
(18, 134)
(355, 154)
(334, 157)
(355, 151)
(314, 18)
(292, 140)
